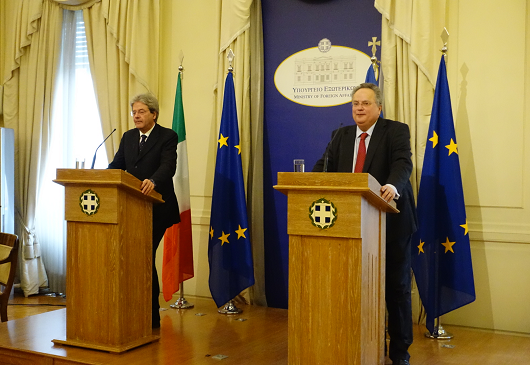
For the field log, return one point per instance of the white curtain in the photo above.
(32, 52)
(410, 44)
(123, 44)
(242, 32)
(255, 168)
(76, 134)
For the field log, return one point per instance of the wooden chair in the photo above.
(8, 267)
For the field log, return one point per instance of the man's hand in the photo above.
(388, 192)
(147, 186)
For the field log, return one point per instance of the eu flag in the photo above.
(441, 254)
(229, 251)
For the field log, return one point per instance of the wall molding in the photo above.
(501, 237)
(200, 217)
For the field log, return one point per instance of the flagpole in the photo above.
(230, 307)
(181, 302)
(439, 332)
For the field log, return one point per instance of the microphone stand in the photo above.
(328, 147)
(94, 159)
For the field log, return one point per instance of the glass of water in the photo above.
(299, 165)
(79, 164)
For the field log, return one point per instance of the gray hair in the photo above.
(148, 99)
(375, 88)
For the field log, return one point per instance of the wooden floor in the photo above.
(196, 336)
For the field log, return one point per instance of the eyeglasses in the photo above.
(139, 112)
(364, 104)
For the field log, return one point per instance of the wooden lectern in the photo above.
(109, 260)
(336, 227)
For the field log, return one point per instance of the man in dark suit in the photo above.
(388, 159)
(149, 152)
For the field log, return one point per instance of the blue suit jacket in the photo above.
(388, 159)
(157, 161)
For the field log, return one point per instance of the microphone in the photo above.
(94, 159)
(326, 154)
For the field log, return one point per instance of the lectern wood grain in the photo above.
(337, 274)
(109, 261)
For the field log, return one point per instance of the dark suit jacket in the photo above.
(388, 159)
(157, 161)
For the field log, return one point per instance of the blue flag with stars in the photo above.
(441, 254)
(229, 251)
(370, 75)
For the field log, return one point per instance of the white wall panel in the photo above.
(502, 279)
(490, 108)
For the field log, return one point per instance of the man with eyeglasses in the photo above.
(381, 147)
(149, 152)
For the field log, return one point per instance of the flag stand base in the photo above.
(182, 303)
(439, 334)
(230, 308)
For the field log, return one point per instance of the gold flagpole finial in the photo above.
(181, 58)
(230, 57)
(445, 37)
(374, 43)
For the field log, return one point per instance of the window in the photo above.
(75, 134)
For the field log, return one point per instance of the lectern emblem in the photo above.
(89, 202)
(323, 213)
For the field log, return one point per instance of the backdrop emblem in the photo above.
(321, 76)
(89, 202)
(323, 213)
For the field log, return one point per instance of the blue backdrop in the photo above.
(294, 130)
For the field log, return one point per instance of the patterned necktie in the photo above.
(361, 154)
(142, 141)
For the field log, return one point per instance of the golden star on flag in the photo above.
(241, 232)
(211, 232)
(448, 245)
(224, 238)
(452, 147)
(239, 149)
(420, 247)
(434, 139)
(222, 141)
(465, 228)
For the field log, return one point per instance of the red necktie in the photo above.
(361, 154)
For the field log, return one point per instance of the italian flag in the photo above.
(177, 263)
